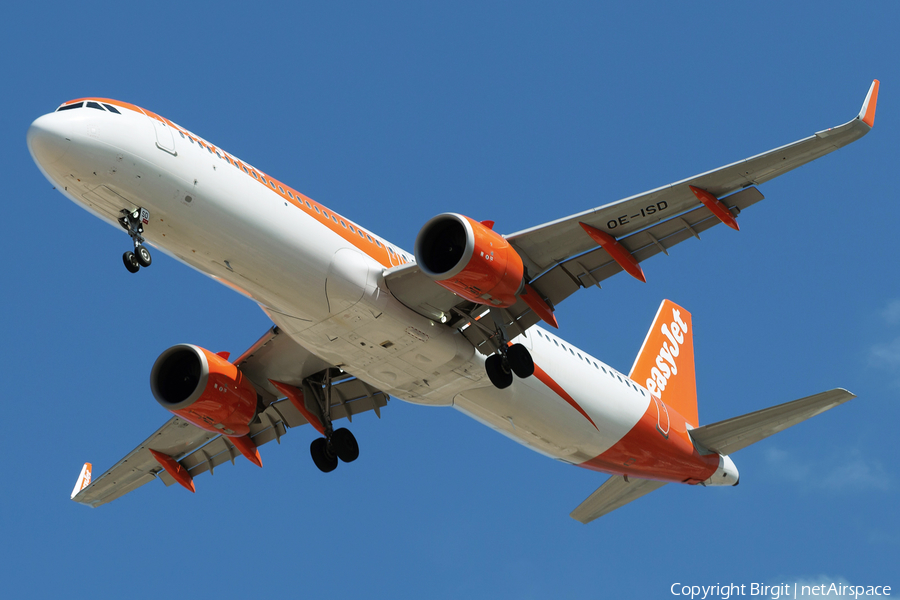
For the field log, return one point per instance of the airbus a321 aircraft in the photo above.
(358, 319)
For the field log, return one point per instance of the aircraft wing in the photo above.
(275, 356)
(615, 493)
(561, 257)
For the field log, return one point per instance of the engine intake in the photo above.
(204, 389)
(470, 260)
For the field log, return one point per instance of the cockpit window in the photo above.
(111, 108)
(94, 105)
(70, 106)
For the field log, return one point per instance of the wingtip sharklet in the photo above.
(867, 112)
(84, 479)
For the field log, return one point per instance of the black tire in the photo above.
(325, 460)
(520, 361)
(344, 444)
(143, 256)
(498, 372)
(131, 262)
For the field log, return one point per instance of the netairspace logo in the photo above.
(783, 590)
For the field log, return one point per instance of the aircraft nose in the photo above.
(48, 139)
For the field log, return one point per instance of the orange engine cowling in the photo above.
(470, 260)
(205, 389)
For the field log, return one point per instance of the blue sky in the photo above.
(515, 112)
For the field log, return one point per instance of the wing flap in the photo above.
(568, 276)
(615, 493)
(734, 434)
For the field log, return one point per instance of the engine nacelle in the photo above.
(205, 389)
(470, 260)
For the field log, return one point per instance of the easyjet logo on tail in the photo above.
(668, 352)
(665, 364)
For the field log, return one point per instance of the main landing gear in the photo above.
(337, 444)
(508, 360)
(326, 451)
(501, 366)
(133, 223)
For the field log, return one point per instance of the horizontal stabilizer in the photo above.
(731, 435)
(614, 493)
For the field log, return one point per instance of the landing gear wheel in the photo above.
(498, 371)
(131, 262)
(325, 460)
(142, 255)
(344, 445)
(520, 361)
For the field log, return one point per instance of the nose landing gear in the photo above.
(133, 223)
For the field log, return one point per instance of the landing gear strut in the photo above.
(337, 444)
(133, 223)
(508, 360)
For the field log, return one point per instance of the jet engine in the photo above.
(470, 259)
(204, 389)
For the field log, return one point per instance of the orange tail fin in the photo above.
(665, 363)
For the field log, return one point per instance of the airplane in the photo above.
(358, 320)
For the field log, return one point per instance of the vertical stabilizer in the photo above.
(665, 363)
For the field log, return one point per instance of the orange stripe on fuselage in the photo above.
(551, 383)
(647, 453)
(380, 254)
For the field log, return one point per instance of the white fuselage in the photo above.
(320, 279)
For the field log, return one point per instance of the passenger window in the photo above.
(112, 109)
(216, 152)
(182, 134)
(272, 183)
(255, 176)
(377, 243)
(317, 209)
(351, 229)
(344, 225)
(368, 237)
(308, 205)
(555, 342)
(333, 219)
(280, 189)
(325, 212)
(290, 195)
